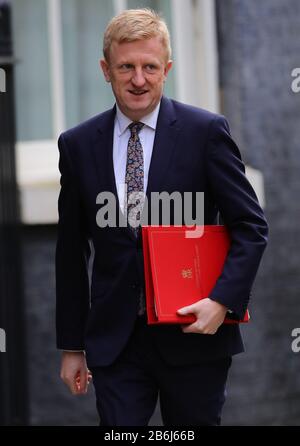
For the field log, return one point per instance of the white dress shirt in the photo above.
(121, 137)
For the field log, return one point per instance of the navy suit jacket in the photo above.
(193, 152)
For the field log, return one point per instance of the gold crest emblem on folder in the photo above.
(187, 273)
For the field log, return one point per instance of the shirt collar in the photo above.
(149, 120)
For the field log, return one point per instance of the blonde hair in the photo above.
(136, 24)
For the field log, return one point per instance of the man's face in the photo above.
(137, 71)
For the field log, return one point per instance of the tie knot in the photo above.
(135, 128)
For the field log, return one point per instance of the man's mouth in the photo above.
(138, 92)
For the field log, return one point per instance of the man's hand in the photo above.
(74, 372)
(210, 315)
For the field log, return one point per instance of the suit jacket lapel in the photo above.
(103, 152)
(164, 144)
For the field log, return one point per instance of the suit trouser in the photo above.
(127, 390)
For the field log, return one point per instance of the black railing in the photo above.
(13, 382)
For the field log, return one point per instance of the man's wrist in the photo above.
(224, 306)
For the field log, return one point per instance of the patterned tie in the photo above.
(134, 177)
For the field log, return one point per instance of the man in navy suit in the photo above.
(152, 144)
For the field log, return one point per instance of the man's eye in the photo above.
(125, 67)
(150, 67)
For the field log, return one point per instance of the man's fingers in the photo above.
(81, 382)
(74, 372)
(77, 384)
(83, 379)
(71, 383)
(196, 328)
(191, 328)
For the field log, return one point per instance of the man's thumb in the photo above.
(185, 310)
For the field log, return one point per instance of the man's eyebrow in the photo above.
(124, 62)
(119, 64)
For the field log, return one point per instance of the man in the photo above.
(151, 144)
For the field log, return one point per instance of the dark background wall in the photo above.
(13, 397)
(50, 402)
(259, 46)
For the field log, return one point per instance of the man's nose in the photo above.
(138, 78)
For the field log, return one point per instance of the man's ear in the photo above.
(105, 68)
(168, 68)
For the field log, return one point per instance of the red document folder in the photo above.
(181, 270)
